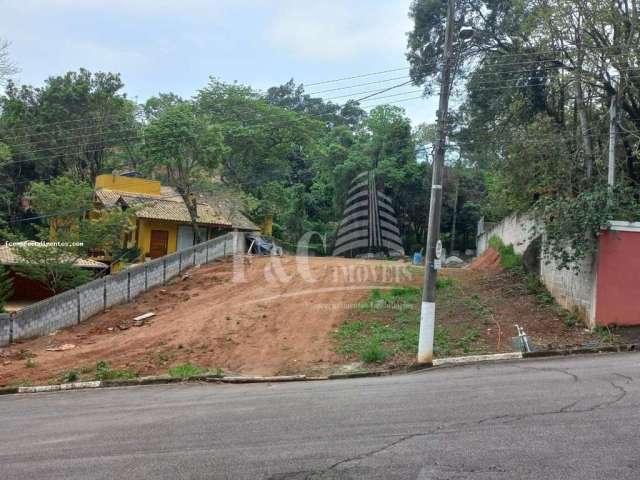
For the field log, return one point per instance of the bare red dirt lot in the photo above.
(282, 317)
(278, 320)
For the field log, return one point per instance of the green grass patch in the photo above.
(604, 333)
(391, 326)
(104, 372)
(185, 370)
(509, 259)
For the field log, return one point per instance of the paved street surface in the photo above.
(569, 418)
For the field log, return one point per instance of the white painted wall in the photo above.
(573, 290)
(516, 230)
(570, 289)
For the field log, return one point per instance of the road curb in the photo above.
(214, 378)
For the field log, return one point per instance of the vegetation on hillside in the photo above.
(540, 77)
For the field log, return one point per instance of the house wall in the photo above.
(74, 306)
(618, 292)
(128, 184)
(144, 234)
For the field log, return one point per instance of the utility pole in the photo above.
(428, 307)
(613, 118)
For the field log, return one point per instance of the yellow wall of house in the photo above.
(267, 226)
(144, 234)
(128, 184)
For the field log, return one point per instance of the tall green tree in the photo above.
(187, 146)
(69, 229)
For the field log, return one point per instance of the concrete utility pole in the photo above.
(613, 118)
(428, 307)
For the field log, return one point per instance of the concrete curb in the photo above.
(62, 386)
(212, 378)
(477, 358)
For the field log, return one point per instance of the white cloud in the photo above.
(338, 29)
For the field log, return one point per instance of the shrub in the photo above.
(69, 376)
(103, 372)
(509, 259)
(374, 353)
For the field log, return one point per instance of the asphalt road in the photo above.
(569, 418)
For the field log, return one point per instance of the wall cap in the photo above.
(621, 226)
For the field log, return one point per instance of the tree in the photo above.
(6, 287)
(540, 76)
(187, 146)
(77, 124)
(69, 229)
(7, 67)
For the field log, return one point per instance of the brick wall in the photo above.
(74, 306)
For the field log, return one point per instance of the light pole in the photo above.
(428, 306)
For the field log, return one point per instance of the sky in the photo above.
(176, 45)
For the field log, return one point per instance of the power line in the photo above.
(356, 76)
(358, 85)
(369, 91)
(60, 148)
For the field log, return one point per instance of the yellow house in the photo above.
(162, 221)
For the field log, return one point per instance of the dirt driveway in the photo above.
(279, 320)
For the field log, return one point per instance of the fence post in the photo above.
(128, 286)
(206, 253)
(104, 293)
(195, 254)
(164, 270)
(11, 326)
(146, 271)
(224, 248)
(180, 262)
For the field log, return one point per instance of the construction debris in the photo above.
(60, 348)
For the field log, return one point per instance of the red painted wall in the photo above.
(618, 288)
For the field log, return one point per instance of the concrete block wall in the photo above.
(200, 252)
(46, 316)
(5, 328)
(155, 272)
(74, 306)
(117, 289)
(91, 298)
(188, 257)
(517, 230)
(172, 265)
(136, 280)
(572, 289)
